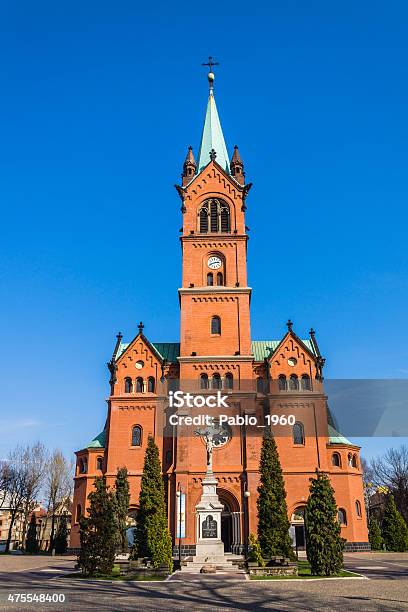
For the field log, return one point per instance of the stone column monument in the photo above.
(209, 546)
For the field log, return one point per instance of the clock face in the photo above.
(214, 262)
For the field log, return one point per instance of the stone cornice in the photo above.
(214, 289)
(203, 358)
(217, 237)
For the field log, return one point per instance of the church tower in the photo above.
(214, 297)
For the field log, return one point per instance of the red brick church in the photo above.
(216, 353)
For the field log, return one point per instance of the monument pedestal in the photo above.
(209, 546)
(208, 511)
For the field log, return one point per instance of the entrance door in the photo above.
(226, 530)
(300, 537)
(230, 522)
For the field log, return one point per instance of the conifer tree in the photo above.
(394, 527)
(153, 538)
(61, 537)
(31, 540)
(273, 523)
(324, 544)
(255, 553)
(122, 499)
(374, 534)
(98, 532)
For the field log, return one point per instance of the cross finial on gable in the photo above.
(290, 325)
(119, 336)
(141, 327)
(213, 154)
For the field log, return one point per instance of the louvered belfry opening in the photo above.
(214, 217)
(204, 218)
(225, 218)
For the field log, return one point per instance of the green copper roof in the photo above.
(212, 138)
(264, 348)
(99, 441)
(168, 350)
(171, 350)
(336, 438)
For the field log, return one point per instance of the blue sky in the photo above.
(99, 103)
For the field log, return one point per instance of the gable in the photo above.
(166, 350)
(293, 357)
(210, 178)
(264, 349)
(139, 349)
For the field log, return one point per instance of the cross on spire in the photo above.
(211, 62)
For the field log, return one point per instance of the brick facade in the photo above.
(141, 375)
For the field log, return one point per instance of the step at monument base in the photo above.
(223, 563)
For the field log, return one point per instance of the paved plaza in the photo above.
(384, 587)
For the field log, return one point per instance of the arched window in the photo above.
(298, 433)
(210, 279)
(216, 381)
(293, 382)
(260, 385)
(214, 216)
(78, 513)
(220, 279)
(150, 384)
(298, 515)
(283, 384)
(83, 466)
(229, 380)
(342, 516)
(204, 384)
(336, 460)
(128, 385)
(358, 508)
(354, 461)
(305, 382)
(99, 463)
(139, 384)
(137, 436)
(216, 326)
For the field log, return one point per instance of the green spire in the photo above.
(212, 137)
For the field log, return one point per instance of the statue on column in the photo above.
(209, 444)
(208, 437)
